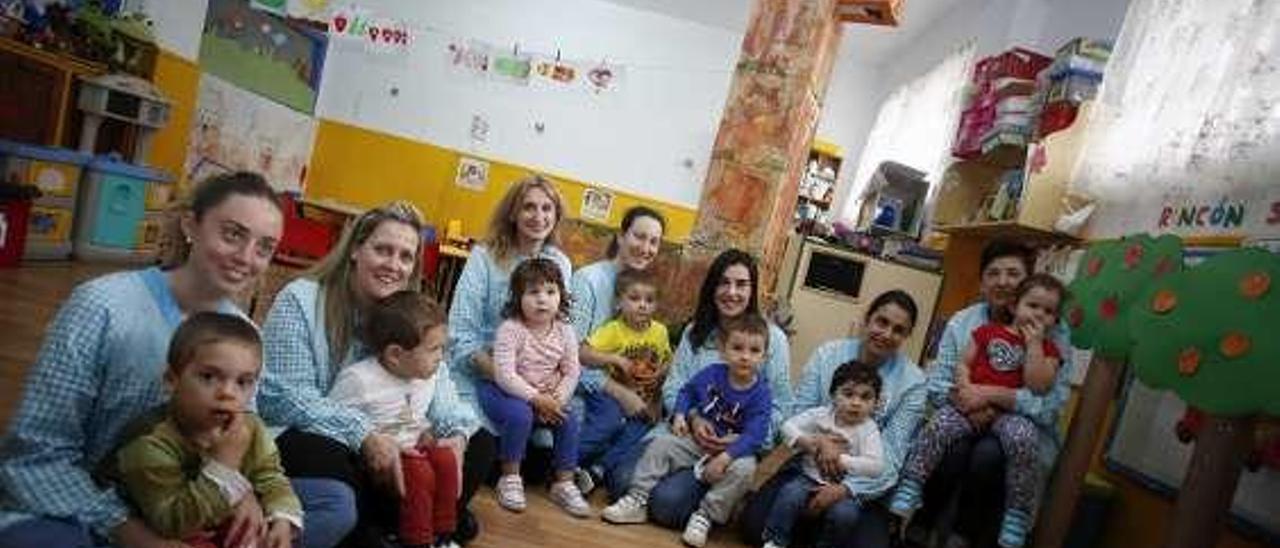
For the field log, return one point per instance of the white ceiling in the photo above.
(873, 41)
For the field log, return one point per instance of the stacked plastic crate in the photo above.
(1073, 78)
(1001, 109)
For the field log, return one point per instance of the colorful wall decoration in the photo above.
(238, 129)
(263, 53)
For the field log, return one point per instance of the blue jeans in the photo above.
(514, 420)
(847, 523)
(329, 510)
(791, 500)
(329, 507)
(608, 435)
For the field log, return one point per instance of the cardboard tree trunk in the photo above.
(1112, 276)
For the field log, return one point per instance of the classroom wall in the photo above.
(651, 136)
(853, 95)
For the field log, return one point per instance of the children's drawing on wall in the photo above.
(479, 129)
(472, 173)
(262, 52)
(315, 10)
(236, 129)
(512, 67)
(469, 57)
(596, 204)
(555, 73)
(603, 77)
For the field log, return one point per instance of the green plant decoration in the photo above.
(1212, 334)
(1111, 276)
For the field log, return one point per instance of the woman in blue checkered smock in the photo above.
(524, 225)
(101, 365)
(608, 433)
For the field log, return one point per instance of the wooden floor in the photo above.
(29, 296)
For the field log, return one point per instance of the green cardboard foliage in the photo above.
(1211, 334)
(1111, 276)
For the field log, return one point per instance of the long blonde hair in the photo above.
(333, 273)
(503, 232)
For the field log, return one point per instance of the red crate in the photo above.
(13, 231)
(974, 123)
(1056, 116)
(303, 238)
(1016, 63)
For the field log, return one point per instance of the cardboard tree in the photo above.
(1209, 334)
(1112, 275)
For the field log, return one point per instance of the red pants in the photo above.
(429, 506)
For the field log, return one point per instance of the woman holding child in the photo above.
(847, 515)
(101, 365)
(728, 292)
(613, 419)
(313, 332)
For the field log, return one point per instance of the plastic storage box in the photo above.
(113, 206)
(56, 172)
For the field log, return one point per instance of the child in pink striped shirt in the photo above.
(535, 356)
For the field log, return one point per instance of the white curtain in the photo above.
(916, 125)
(1188, 119)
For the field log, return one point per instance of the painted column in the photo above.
(764, 137)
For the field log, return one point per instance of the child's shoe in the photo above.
(567, 495)
(1013, 530)
(695, 532)
(631, 508)
(772, 544)
(511, 493)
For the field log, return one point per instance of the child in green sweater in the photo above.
(189, 468)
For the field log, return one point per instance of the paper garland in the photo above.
(352, 24)
(481, 60)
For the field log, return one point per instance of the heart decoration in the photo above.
(340, 24)
(373, 33)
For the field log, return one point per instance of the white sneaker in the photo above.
(695, 532)
(567, 495)
(772, 544)
(631, 508)
(511, 493)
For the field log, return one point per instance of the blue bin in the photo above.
(112, 204)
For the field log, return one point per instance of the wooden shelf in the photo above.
(1005, 156)
(1009, 229)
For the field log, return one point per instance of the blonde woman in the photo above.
(524, 225)
(311, 333)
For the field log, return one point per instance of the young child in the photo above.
(855, 393)
(998, 355)
(636, 350)
(535, 356)
(732, 399)
(405, 395)
(187, 468)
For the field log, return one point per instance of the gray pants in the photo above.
(668, 453)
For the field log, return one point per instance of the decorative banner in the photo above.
(596, 204)
(471, 57)
(472, 173)
(603, 77)
(379, 34)
(514, 67)
(554, 72)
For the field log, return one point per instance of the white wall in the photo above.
(665, 112)
(853, 94)
(177, 24)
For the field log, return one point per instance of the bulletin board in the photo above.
(1143, 446)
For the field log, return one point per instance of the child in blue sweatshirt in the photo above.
(730, 399)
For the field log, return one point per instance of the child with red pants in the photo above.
(410, 399)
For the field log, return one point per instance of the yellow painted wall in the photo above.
(179, 80)
(366, 168)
